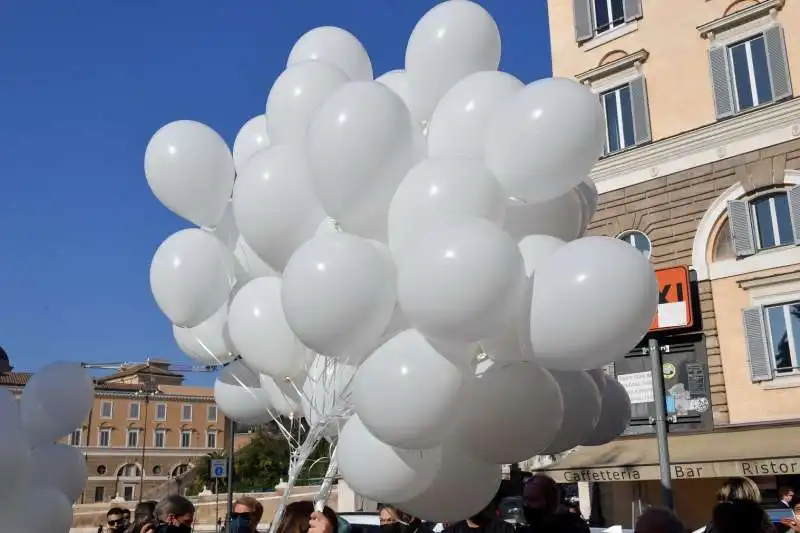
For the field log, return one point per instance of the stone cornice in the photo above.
(740, 17)
(687, 150)
(631, 60)
(768, 279)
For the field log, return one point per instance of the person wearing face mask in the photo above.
(246, 515)
(175, 514)
(541, 509)
(115, 520)
(393, 520)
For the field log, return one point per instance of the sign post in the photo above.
(661, 423)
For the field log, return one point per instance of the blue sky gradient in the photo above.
(83, 86)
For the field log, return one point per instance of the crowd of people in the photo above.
(738, 510)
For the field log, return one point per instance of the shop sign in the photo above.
(761, 467)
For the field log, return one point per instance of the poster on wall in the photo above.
(638, 385)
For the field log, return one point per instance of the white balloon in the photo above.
(40, 509)
(55, 401)
(251, 139)
(274, 204)
(458, 125)
(296, 95)
(405, 393)
(514, 343)
(380, 472)
(464, 252)
(519, 401)
(536, 249)
(283, 397)
(249, 265)
(191, 275)
(361, 144)
(339, 294)
(14, 449)
(587, 191)
(437, 189)
(561, 217)
(238, 394)
(451, 41)
(582, 404)
(208, 343)
(462, 487)
(336, 46)
(593, 299)
(60, 466)
(615, 414)
(190, 170)
(327, 392)
(542, 141)
(260, 332)
(397, 82)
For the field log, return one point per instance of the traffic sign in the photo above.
(219, 468)
(674, 300)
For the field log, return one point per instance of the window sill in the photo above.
(791, 381)
(612, 35)
(763, 260)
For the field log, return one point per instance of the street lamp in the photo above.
(145, 390)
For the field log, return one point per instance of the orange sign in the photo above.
(674, 300)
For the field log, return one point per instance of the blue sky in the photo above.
(83, 86)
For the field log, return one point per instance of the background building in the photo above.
(145, 432)
(701, 170)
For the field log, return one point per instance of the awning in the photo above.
(763, 451)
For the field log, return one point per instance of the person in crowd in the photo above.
(659, 521)
(175, 514)
(115, 520)
(126, 517)
(486, 521)
(786, 497)
(740, 516)
(143, 515)
(394, 520)
(739, 488)
(791, 524)
(572, 507)
(300, 517)
(541, 499)
(247, 513)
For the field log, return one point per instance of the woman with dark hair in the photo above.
(143, 515)
(300, 517)
(740, 516)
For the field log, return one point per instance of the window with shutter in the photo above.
(741, 227)
(633, 10)
(721, 81)
(584, 27)
(793, 196)
(777, 63)
(756, 340)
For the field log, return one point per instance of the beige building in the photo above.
(702, 169)
(144, 434)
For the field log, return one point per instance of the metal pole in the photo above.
(231, 430)
(216, 505)
(661, 422)
(144, 445)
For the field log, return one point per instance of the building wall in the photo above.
(677, 69)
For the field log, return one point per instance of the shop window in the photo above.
(749, 73)
(765, 222)
(638, 240)
(599, 17)
(773, 340)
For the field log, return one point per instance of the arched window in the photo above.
(638, 240)
(180, 470)
(129, 470)
(765, 221)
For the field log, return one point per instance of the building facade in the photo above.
(701, 170)
(144, 434)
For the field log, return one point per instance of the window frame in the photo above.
(211, 433)
(138, 410)
(155, 415)
(794, 357)
(110, 405)
(184, 418)
(163, 433)
(79, 432)
(100, 433)
(773, 215)
(209, 418)
(751, 72)
(630, 233)
(609, 11)
(184, 433)
(624, 143)
(128, 435)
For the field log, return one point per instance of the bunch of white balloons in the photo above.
(43, 479)
(369, 241)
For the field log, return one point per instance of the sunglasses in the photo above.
(117, 522)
